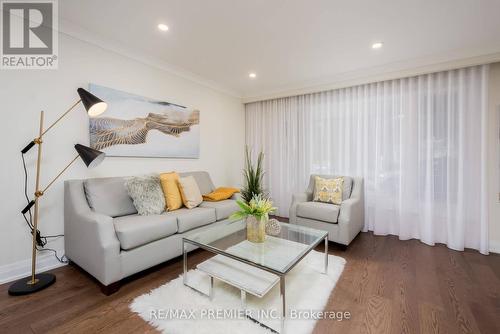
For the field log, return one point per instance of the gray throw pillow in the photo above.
(146, 194)
(109, 196)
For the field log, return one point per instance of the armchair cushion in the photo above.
(318, 211)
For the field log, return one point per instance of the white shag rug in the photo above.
(176, 309)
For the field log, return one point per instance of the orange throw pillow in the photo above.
(220, 194)
(170, 187)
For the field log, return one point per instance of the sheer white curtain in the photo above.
(419, 143)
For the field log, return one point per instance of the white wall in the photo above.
(24, 93)
(494, 162)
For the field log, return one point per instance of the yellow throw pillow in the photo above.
(171, 190)
(190, 192)
(328, 190)
(220, 194)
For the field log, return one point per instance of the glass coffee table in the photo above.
(253, 267)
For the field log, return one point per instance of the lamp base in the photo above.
(25, 287)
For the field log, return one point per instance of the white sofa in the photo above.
(343, 222)
(106, 237)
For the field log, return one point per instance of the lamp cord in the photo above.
(41, 240)
(26, 193)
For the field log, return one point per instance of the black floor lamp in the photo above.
(90, 157)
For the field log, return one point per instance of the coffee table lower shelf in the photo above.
(240, 275)
(243, 274)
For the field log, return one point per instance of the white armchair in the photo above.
(343, 222)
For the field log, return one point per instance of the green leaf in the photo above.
(244, 206)
(237, 216)
(253, 176)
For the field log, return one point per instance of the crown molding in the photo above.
(390, 71)
(74, 31)
(380, 73)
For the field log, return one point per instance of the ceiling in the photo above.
(290, 44)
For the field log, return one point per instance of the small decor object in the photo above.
(220, 194)
(273, 227)
(136, 126)
(256, 213)
(253, 176)
(190, 192)
(146, 194)
(94, 106)
(328, 190)
(170, 186)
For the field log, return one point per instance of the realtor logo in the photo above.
(29, 34)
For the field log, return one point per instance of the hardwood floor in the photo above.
(388, 286)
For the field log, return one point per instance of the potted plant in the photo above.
(253, 176)
(256, 213)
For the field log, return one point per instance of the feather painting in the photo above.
(142, 127)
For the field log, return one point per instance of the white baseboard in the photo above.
(20, 269)
(495, 247)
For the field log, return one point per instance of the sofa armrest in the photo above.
(89, 237)
(301, 197)
(351, 219)
(297, 199)
(98, 229)
(350, 210)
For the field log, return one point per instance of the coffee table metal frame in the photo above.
(281, 275)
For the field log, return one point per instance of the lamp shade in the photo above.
(90, 157)
(94, 105)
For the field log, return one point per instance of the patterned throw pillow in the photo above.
(146, 194)
(328, 190)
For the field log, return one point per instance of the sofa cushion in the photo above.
(135, 230)
(109, 196)
(319, 211)
(187, 219)
(223, 209)
(202, 179)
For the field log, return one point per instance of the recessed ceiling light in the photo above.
(252, 75)
(377, 45)
(163, 27)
